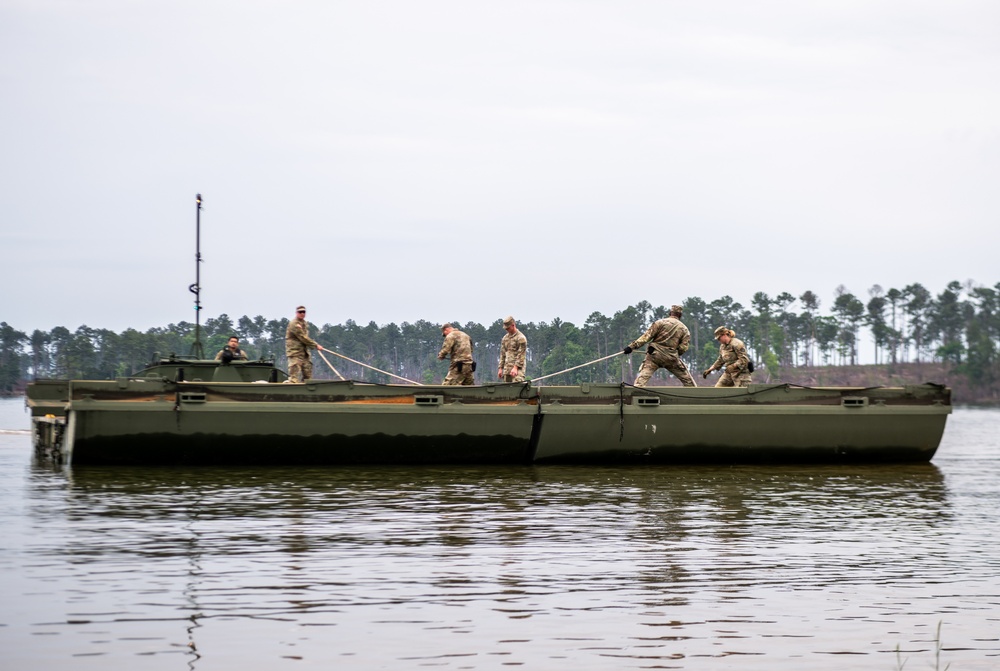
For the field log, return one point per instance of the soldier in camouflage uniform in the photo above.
(733, 355)
(297, 344)
(668, 339)
(458, 346)
(513, 351)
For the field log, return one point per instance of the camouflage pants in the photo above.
(514, 378)
(460, 372)
(300, 368)
(729, 380)
(660, 359)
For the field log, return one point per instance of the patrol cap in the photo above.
(508, 320)
(677, 308)
(721, 331)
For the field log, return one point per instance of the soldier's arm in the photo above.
(446, 347)
(644, 338)
(742, 358)
(717, 365)
(685, 342)
(522, 353)
(301, 334)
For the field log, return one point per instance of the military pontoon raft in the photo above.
(183, 411)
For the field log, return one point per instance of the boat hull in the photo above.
(168, 422)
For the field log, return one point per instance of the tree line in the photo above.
(959, 325)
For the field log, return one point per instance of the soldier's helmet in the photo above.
(721, 331)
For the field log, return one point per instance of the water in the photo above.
(495, 568)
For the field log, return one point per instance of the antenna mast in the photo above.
(196, 349)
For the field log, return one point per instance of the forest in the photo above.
(957, 327)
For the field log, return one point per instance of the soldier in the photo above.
(513, 350)
(458, 346)
(297, 344)
(733, 355)
(668, 339)
(231, 351)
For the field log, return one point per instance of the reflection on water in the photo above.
(485, 568)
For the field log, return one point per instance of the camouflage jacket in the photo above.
(297, 340)
(733, 353)
(666, 334)
(513, 351)
(457, 345)
(238, 355)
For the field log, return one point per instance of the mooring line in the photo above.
(536, 379)
(320, 352)
(373, 368)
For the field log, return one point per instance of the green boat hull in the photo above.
(164, 421)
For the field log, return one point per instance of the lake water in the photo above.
(788, 568)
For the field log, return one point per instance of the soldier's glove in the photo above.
(704, 373)
(732, 369)
(627, 350)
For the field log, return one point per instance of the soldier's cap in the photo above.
(677, 308)
(445, 326)
(721, 331)
(508, 320)
(301, 307)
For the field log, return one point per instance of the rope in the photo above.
(372, 367)
(536, 379)
(320, 352)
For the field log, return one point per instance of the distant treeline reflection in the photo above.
(959, 327)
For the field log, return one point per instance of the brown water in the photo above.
(850, 567)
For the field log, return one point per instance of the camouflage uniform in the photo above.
(297, 344)
(735, 359)
(458, 346)
(668, 339)
(513, 350)
(238, 355)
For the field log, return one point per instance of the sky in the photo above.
(391, 161)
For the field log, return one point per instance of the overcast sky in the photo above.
(396, 161)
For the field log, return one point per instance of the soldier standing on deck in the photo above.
(297, 344)
(668, 339)
(458, 346)
(513, 352)
(733, 355)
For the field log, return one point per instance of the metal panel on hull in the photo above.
(391, 428)
(740, 434)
